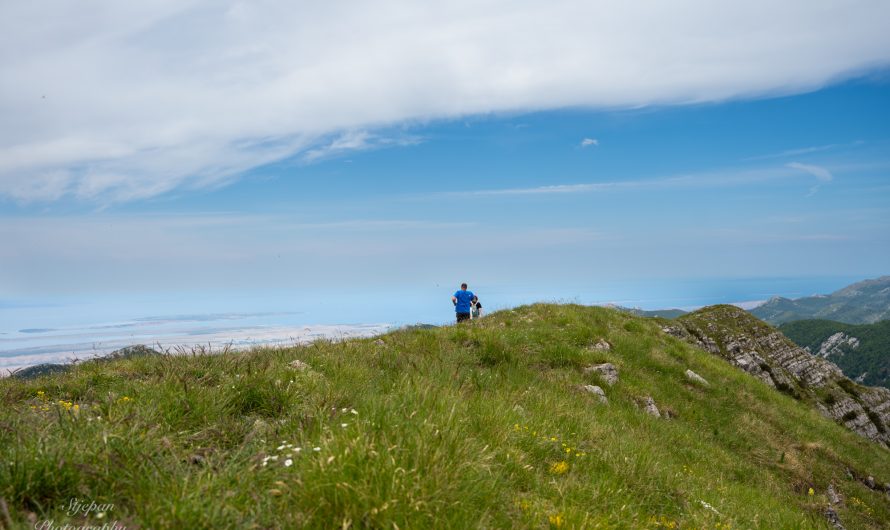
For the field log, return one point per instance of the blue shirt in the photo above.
(463, 301)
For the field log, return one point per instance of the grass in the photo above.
(473, 426)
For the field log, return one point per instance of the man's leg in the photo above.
(462, 316)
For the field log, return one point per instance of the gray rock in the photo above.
(299, 365)
(833, 518)
(596, 391)
(870, 482)
(601, 345)
(606, 370)
(765, 353)
(833, 497)
(138, 350)
(379, 342)
(651, 408)
(696, 378)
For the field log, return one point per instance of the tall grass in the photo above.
(480, 425)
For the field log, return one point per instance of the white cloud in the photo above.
(356, 141)
(822, 174)
(124, 100)
(691, 181)
(587, 142)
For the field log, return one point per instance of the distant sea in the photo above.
(62, 329)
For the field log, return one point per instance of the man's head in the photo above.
(463, 286)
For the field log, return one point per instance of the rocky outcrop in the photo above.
(765, 353)
(835, 345)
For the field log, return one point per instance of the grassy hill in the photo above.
(481, 425)
(863, 302)
(868, 357)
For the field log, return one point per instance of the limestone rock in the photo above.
(696, 378)
(833, 497)
(834, 345)
(765, 353)
(833, 518)
(379, 342)
(299, 365)
(651, 408)
(601, 345)
(596, 391)
(606, 370)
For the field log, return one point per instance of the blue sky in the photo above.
(643, 185)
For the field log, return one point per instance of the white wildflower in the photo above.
(288, 462)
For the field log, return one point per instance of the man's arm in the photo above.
(453, 299)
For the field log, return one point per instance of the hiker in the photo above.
(475, 308)
(462, 300)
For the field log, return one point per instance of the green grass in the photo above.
(473, 426)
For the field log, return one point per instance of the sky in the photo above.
(357, 162)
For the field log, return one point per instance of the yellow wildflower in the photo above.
(556, 520)
(558, 468)
(811, 492)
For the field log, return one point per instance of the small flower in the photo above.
(811, 492)
(288, 462)
(354, 412)
(556, 520)
(344, 425)
(559, 468)
(316, 449)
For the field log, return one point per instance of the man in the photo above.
(462, 300)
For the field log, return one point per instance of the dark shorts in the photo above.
(462, 316)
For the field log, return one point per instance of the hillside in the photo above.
(860, 303)
(663, 313)
(504, 422)
(861, 351)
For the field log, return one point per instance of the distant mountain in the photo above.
(861, 303)
(862, 351)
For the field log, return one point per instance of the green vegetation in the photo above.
(863, 302)
(480, 425)
(871, 357)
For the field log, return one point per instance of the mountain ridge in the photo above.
(863, 302)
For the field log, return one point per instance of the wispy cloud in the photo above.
(821, 174)
(817, 171)
(590, 142)
(804, 151)
(117, 101)
(693, 181)
(357, 141)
